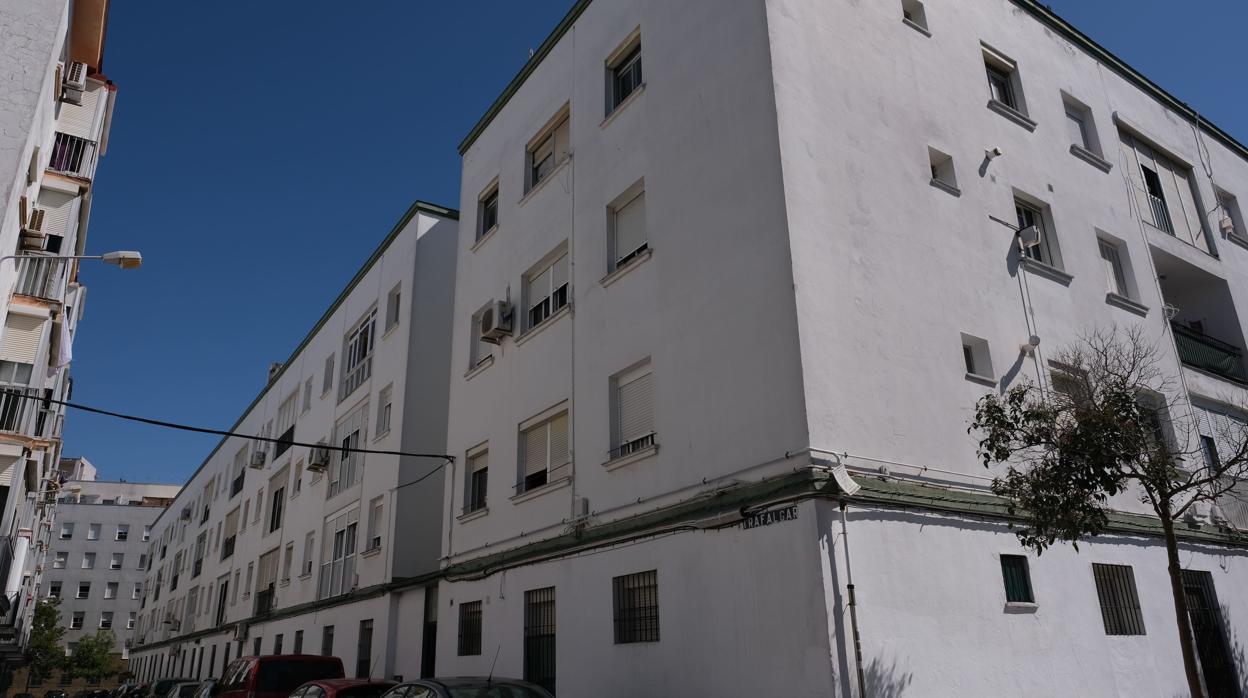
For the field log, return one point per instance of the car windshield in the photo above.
(366, 691)
(278, 675)
(187, 690)
(485, 690)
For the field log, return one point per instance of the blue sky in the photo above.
(261, 150)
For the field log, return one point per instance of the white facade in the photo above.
(818, 183)
(57, 105)
(267, 545)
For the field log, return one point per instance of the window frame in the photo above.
(487, 210)
(620, 448)
(470, 629)
(1048, 252)
(555, 297)
(1016, 579)
(619, 258)
(476, 489)
(536, 169)
(527, 482)
(633, 620)
(625, 76)
(358, 348)
(1119, 599)
(394, 310)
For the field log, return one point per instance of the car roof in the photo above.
(350, 683)
(289, 657)
(453, 681)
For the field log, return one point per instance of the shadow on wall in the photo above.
(886, 681)
(1239, 662)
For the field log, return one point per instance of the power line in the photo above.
(221, 432)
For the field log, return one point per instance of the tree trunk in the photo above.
(1186, 641)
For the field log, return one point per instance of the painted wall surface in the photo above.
(873, 239)
(712, 308)
(417, 263)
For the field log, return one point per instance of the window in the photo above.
(130, 619)
(624, 74)
(628, 227)
(384, 407)
(478, 480)
(470, 629)
(546, 290)
(345, 462)
(298, 486)
(1081, 130)
(548, 150)
(88, 561)
(54, 590)
(142, 561)
(364, 650)
(913, 13)
(298, 642)
(307, 395)
(392, 307)
(58, 563)
(1045, 249)
(84, 590)
(327, 641)
(147, 533)
(1115, 274)
(943, 175)
(328, 381)
(286, 424)
(487, 211)
(137, 591)
(277, 643)
(1017, 579)
(76, 621)
(481, 349)
(632, 410)
(123, 532)
(288, 561)
(543, 453)
(1120, 605)
(67, 531)
(357, 355)
(277, 508)
(539, 637)
(259, 504)
(338, 555)
(976, 356)
(1166, 197)
(118, 559)
(636, 603)
(106, 619)
(1231, 220)
(309, 545)
(376, 523)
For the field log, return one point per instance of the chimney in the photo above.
(274, 368)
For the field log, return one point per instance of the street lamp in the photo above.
(126, 259)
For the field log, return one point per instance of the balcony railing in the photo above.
(265, 601)
(40, 277)
(355, 377)
(284, 442)
(1199, 350)
(20, 409)
(1161, 213)
(72, 155)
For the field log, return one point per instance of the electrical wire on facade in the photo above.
(223, 432)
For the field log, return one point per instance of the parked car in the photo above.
(23, 695)
(54, 694)
(182, 689)
(206, 688)
(275, 676)
(467, 687)
(343, 688)
(160, 687)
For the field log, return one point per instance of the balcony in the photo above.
(10, 630)
(1161, 213)
(72, 156)
(1201, 351)
(41, 277)
(21, 410)
(284, 442)
(266, 601)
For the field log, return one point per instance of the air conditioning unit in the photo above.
(75, 82)
(496, 322)
(257, 459)
(38, 242)
(318, 460)
(240, 631)
(186, 514)
(35, 224)
(1227, 225)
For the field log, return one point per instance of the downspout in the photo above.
(853, 604)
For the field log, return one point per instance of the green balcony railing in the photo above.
(1199, 350)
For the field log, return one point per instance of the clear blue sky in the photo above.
(261, 150)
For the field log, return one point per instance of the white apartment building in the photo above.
(687, 298)
(53, 129)
(301, 545)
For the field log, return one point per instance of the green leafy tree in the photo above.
(93, 656)
(45, 651)
(1106, 428)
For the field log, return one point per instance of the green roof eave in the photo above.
(1042, 13)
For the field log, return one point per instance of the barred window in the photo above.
(1120, 605)
(470, 628)
(637, 607)
(539, 637)
(1017, 579)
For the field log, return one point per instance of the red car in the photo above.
(274, 676)
(343, 688)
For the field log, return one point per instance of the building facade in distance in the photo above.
(54, 126)
(303, 543)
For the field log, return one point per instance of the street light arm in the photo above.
(126, 259)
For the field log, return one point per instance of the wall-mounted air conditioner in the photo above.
(496, 322)
(75, 82)
(318, 459)
(258, 458)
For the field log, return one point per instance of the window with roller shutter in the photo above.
(478, 480)
(545, 291)
(543, 453)
(19, 346)
(628, 229)
(632, 411)
(1164, 193)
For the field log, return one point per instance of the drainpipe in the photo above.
(853, 604)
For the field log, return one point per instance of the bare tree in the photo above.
(1112, 422)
